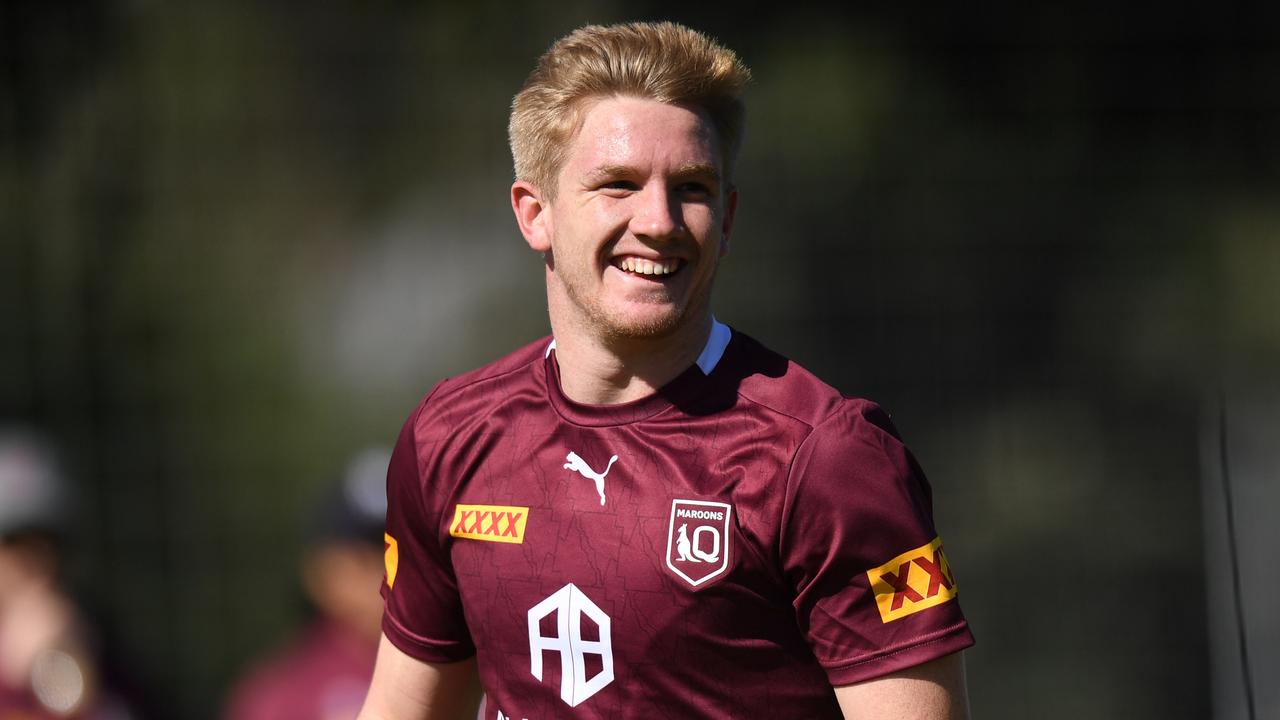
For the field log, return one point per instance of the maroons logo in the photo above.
(698, 540)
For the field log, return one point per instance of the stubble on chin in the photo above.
(656, 328)
(616, 324)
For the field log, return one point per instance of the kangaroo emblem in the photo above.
(689, 553)
(580, 466)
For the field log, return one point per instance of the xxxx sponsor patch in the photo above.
(490, 523)
(913, 581)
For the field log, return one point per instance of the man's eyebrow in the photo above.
(696, 169)
(605, 172)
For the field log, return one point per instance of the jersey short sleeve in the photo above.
(422, 609)
(874, 591)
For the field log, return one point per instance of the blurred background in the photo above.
(239, 241)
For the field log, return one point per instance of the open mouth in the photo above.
(648, 268)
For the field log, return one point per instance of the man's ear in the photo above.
(726, 223)
(530, 208)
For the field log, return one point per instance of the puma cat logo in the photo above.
(580, 466)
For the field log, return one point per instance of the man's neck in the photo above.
(609, 371)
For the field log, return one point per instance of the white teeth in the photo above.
(640, 266)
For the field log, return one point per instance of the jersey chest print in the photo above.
(571, 638)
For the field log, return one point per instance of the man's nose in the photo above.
(657, 213)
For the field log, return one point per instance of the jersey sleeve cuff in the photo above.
(929, 647)
(424, 648)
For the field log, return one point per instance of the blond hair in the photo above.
(664, 61)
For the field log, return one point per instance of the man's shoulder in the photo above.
(784, 387)
(522, 359)
(484, 383)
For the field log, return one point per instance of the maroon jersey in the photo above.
(323, 675)
(735, 544)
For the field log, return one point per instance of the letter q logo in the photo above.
(698, 540)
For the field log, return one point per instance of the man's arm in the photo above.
(405, 688)
(932, 691)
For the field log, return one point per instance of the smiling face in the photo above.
(638, 224)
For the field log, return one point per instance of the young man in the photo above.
(652, 515)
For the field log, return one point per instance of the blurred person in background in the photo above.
(323, 674)
(49, 666)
